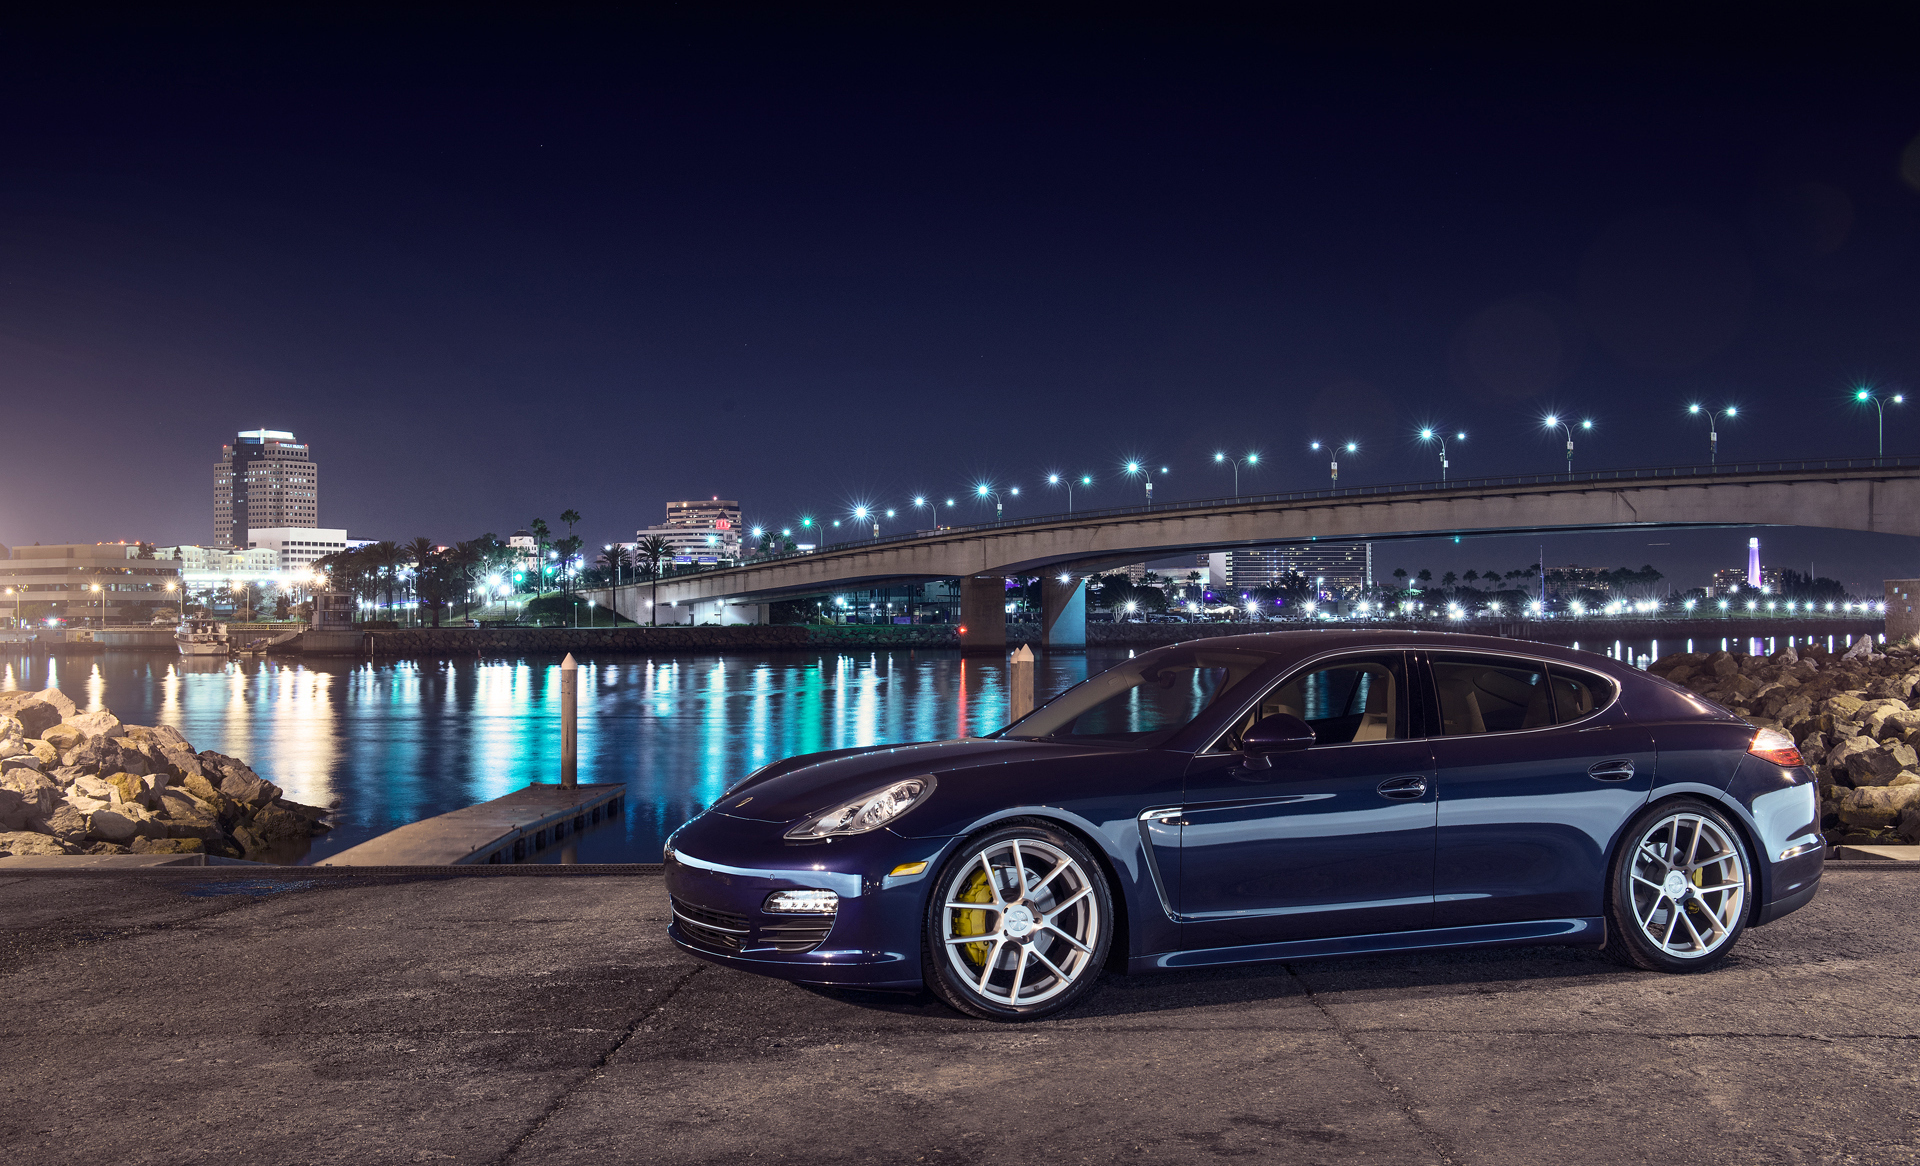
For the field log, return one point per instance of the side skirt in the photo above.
(1582, 932)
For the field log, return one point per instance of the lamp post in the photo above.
(984, 490)
(15, 592)
(1333, 452)
(1058, 480)
(1431, 435)
(1221, 459)
(1134, 469)
(1713, 434)
(862, 514)
(170, 587)
(1880, 412)
(103, 604)
(1553, 422)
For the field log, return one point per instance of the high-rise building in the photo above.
(1337, 568)
(265, 480)
(712, 514)
(700, 532)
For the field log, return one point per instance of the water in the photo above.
(1642, 652)
(391, 743)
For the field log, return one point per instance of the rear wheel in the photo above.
(1680, 890)
(1019, 924)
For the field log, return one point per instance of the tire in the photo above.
(1017, 957)
(1679, 890)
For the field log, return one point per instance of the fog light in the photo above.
(803, 902)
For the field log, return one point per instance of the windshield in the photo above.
(1142, 702)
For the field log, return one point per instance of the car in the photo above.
(1277, 796)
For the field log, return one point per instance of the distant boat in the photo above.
(201, 637)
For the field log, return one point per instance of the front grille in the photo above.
(794, 936)
(709, 928)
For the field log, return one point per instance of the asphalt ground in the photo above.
(179, 1018)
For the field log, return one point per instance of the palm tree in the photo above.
(652, 551)
(419, 553)
(538, 528)
(386, 558)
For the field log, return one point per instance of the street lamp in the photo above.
(1057, 480)
(1134, 469)
(15, 592)
(103, 604)
(862, 513)
(1713, 434)
(1553, 422)
(1334, 452)
(1221, 459)
(983, 490)
(1430, 435)
(1880, 410)
(170, 587)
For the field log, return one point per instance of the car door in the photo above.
(1534, 779)
(1335, 839)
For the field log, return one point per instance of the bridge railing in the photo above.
(1430, 486)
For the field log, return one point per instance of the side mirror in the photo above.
(1278, 733)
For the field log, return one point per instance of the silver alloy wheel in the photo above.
(1021, 923)
(1689, 885)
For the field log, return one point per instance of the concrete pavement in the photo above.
(175, 1017)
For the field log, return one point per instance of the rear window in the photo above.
(1493, 694)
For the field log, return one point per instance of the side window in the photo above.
(1346, 701)
(1577, 694)
(1491, 694)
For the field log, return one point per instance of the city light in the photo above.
(1879, 403)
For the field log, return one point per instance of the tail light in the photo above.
(1775, 746)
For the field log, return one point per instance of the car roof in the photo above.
(1304, 642)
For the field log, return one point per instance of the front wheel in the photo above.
(1680, 890)
(1019, 924)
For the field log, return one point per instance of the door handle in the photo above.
(1619, 770)
(1403, 789)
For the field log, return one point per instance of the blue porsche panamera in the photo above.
(1261, 797)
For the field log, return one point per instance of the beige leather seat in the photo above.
(1376, 723)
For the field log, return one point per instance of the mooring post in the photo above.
(1020, 683)
(569, 723)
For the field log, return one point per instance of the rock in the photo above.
(251, 844)
(276, 823)
(63, 737)
(1743, 686)
(66, 823)
(1846, 728)
(93, 787)
(1795, 709)
(10, 747)
(10, 728)
(1881, 766)
(178, 761)
(1786, 655)
(1862, 649)
(1842, 705)
(1722, 664)
(35, 717)
(237, 781)
(168, 846)
(20, 843)
(37, 791)
(1880, 806)
(14, 813)
(1840, 758)
(1907, 778)
(95, 724)
(1682, 674)
(42, 752)
(106, 848)
(26, 761)
(123, 823)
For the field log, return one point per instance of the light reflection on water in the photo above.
(392, 743)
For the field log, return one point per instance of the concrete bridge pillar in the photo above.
(983, 614)
(1063, 614)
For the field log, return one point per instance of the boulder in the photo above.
(26, 761)
(1839, 759)
(10, 728)
(1878, 807)
(168, 846)
(106, 848)
(1785, 655)
(11, 747)
(178, 761)
(42, 752)
(1880, 766)
(35, 717)
(95, 724)
(251, 844)
(109, 755)
(20, 843)
(65, 823)
(1722, 664)
(14, 814)
(1843, 706)
(37, 792)
(89, 786)
(63, 737)
(277, 823)
(122, 824)
(1862, 649)
(1682, 674)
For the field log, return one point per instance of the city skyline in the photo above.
(692, 264)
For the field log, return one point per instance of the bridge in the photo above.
(1867, 494)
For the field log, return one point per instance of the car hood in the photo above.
(801, 788)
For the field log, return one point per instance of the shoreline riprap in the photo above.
(1852, 715)
(84, 783)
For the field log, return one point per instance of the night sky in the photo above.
(494, 269)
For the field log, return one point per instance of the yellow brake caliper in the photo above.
(974, 922)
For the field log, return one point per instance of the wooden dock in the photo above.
(506, 829)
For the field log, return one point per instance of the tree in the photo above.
(649, 553)
(1425, 577)
(1471, 576)
(1449, 579)
(538, 528)
(386, 558)
(570, 517)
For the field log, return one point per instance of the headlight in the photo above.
(869, 812)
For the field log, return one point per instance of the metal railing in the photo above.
(1455, 486)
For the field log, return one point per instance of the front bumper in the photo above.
(720, 870)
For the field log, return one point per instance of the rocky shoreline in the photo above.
(83, 783)
(1852, 715)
